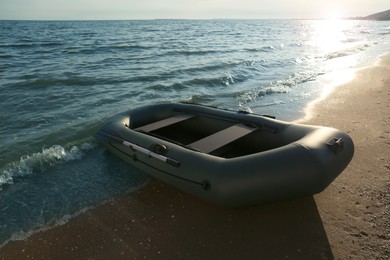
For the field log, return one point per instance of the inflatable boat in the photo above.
(231, 158)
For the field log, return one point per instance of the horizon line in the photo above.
(183, 19)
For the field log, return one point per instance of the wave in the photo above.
(109, 48)
(366, 31)
(59, 220)
(40, 161)
(347, 52)
(351, 39)
(51, 186)
(251, 95)
(298, 78)
(4, 55)
(207, 69)
(192, 52)
(201, 98)
(222, 79)
(30, 44)
(261, 49)
(277, 87)
(32, 81)
(22, 235)
(166, 88)
(211, 82)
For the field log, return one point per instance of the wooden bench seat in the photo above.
(222, 138)
(163, 123)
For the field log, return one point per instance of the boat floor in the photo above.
(215, 136)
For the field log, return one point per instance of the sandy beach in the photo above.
(349, 220)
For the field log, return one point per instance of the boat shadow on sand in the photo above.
(176, 224)
(160, 222)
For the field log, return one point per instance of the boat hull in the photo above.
(275, 160)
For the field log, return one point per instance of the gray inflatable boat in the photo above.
(232, 158)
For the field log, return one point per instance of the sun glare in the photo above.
(334, 15)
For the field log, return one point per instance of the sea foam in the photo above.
(40, 161)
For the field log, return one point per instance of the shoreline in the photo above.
(349, 219)
(355, 207)
(335, 85)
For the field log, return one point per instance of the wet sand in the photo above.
(349, 220)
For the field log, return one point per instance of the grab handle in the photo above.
(151, 154)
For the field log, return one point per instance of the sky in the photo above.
(186, 9)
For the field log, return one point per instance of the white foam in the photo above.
(22, 235)
(40, 161)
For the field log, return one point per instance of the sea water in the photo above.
(60, 80)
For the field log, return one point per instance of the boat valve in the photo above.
(335, 144)
(159, 149)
